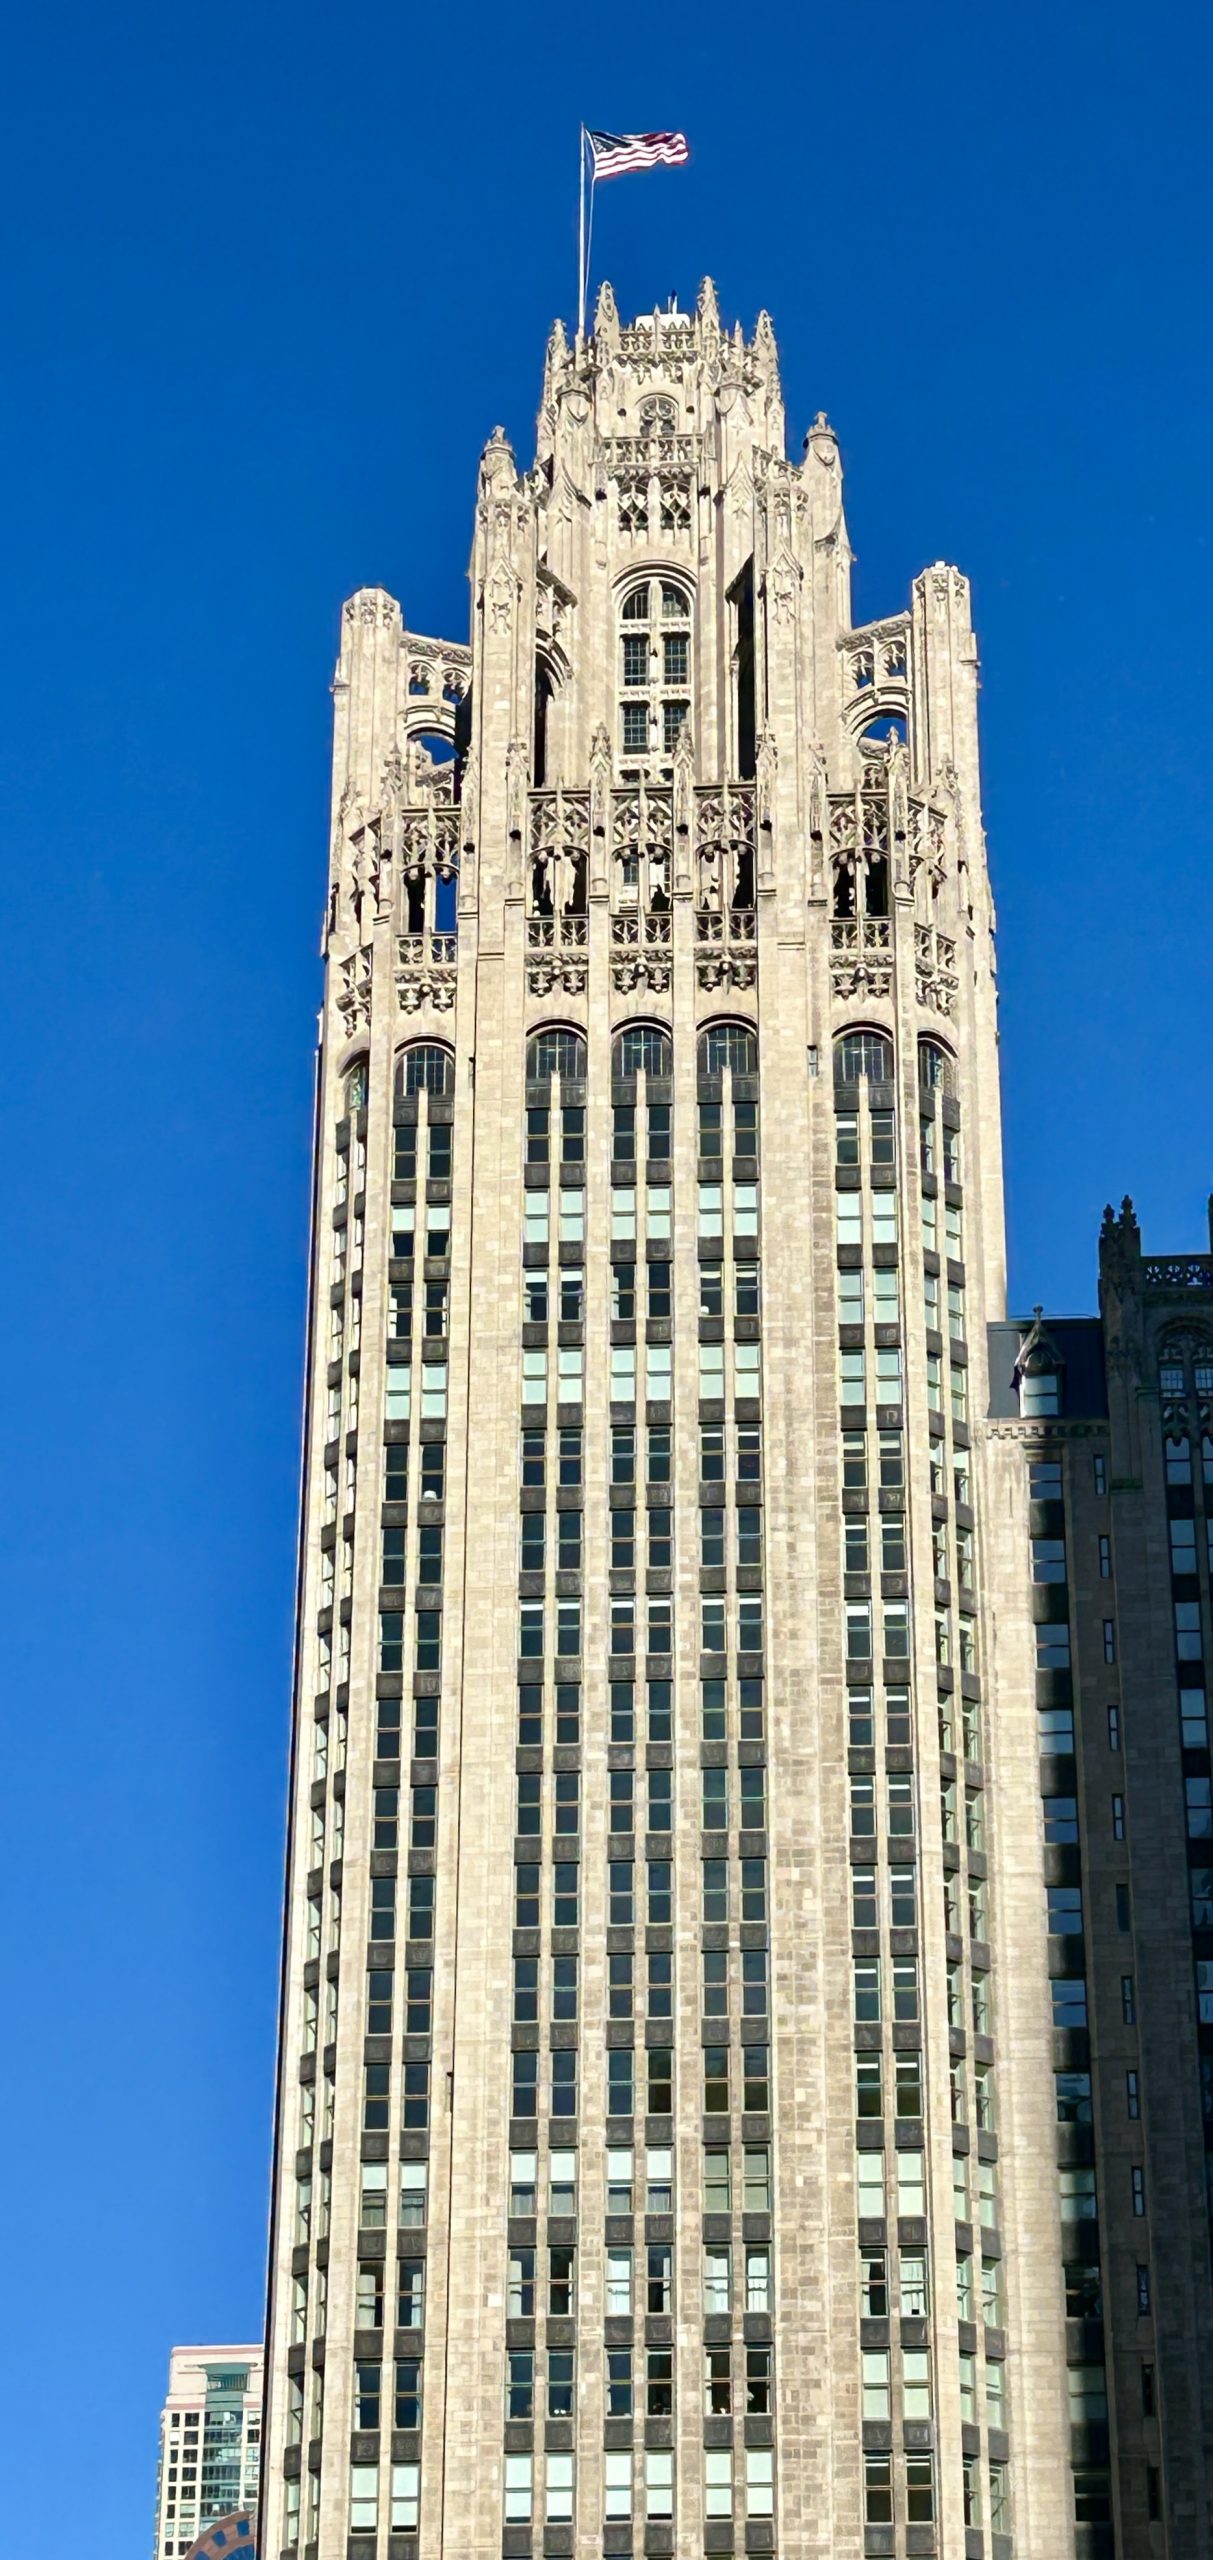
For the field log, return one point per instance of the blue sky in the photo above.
(268, 278)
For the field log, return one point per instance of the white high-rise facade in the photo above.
(665, 2152)
(210, 2442)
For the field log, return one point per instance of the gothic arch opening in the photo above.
(427, 1066)
(863, 1056)
(556, 1054)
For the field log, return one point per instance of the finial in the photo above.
(708, 309)
(497, 459)
(606, 317)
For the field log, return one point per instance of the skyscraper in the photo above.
(665, 2130)
(210, 2442)
(1110, 1420)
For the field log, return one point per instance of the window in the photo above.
(1188, 1643)
(912, 2266)
(364, 2498)
(617, 2479)
(1069, 1997)
(1200, 1888)
(1177, 1452)
(1088, 2392)
(1064, 1906)
(1073, 2089)
(1053, 1645)
(556, 1055)
(718, 2481)
(406, 2490)
(878, 2488)
(861, 1056)
(518, 2469)
(875, 2380)
(915, 2383)
(654, 668)
(1198, 1798)
(728, 1047)
(643, 1049)
(1048, 1560)
(759, 2467)
(717, 2280)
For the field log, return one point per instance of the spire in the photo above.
(555, 361)
(497, 462)
(764, 344)
(606, 317)
(708, 308)
(1038, 1353)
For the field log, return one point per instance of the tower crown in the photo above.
(664, 379)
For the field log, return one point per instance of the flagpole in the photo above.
(581, 245)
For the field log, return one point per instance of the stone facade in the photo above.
(1106, 1424)
(664, 2078)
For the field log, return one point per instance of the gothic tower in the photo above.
(664, 2082)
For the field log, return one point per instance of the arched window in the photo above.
(863, 1056)
(658, 417)
(555, 1053)
(643, 1050)
(728, 1044)
(936, 1068)
(654, 673)
(425, 1068)
(356, 1087)
(1184, 1356)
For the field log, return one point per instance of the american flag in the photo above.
(614, 154)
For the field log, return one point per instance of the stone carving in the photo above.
(935, 970)
(783, 578)
(1177, 1271)
(499, 597)
(426, 971)
(600, 805)
(728, 953)
(684, 792)
(640, 953)
(354, 991)
(469, 802)
(516, 774)
(560, 966)
(766, 767)
(724, 843)
(559, 852)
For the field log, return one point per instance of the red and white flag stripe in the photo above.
(614, 154)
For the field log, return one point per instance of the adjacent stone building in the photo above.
(665, 2128)
(1104, 1426)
